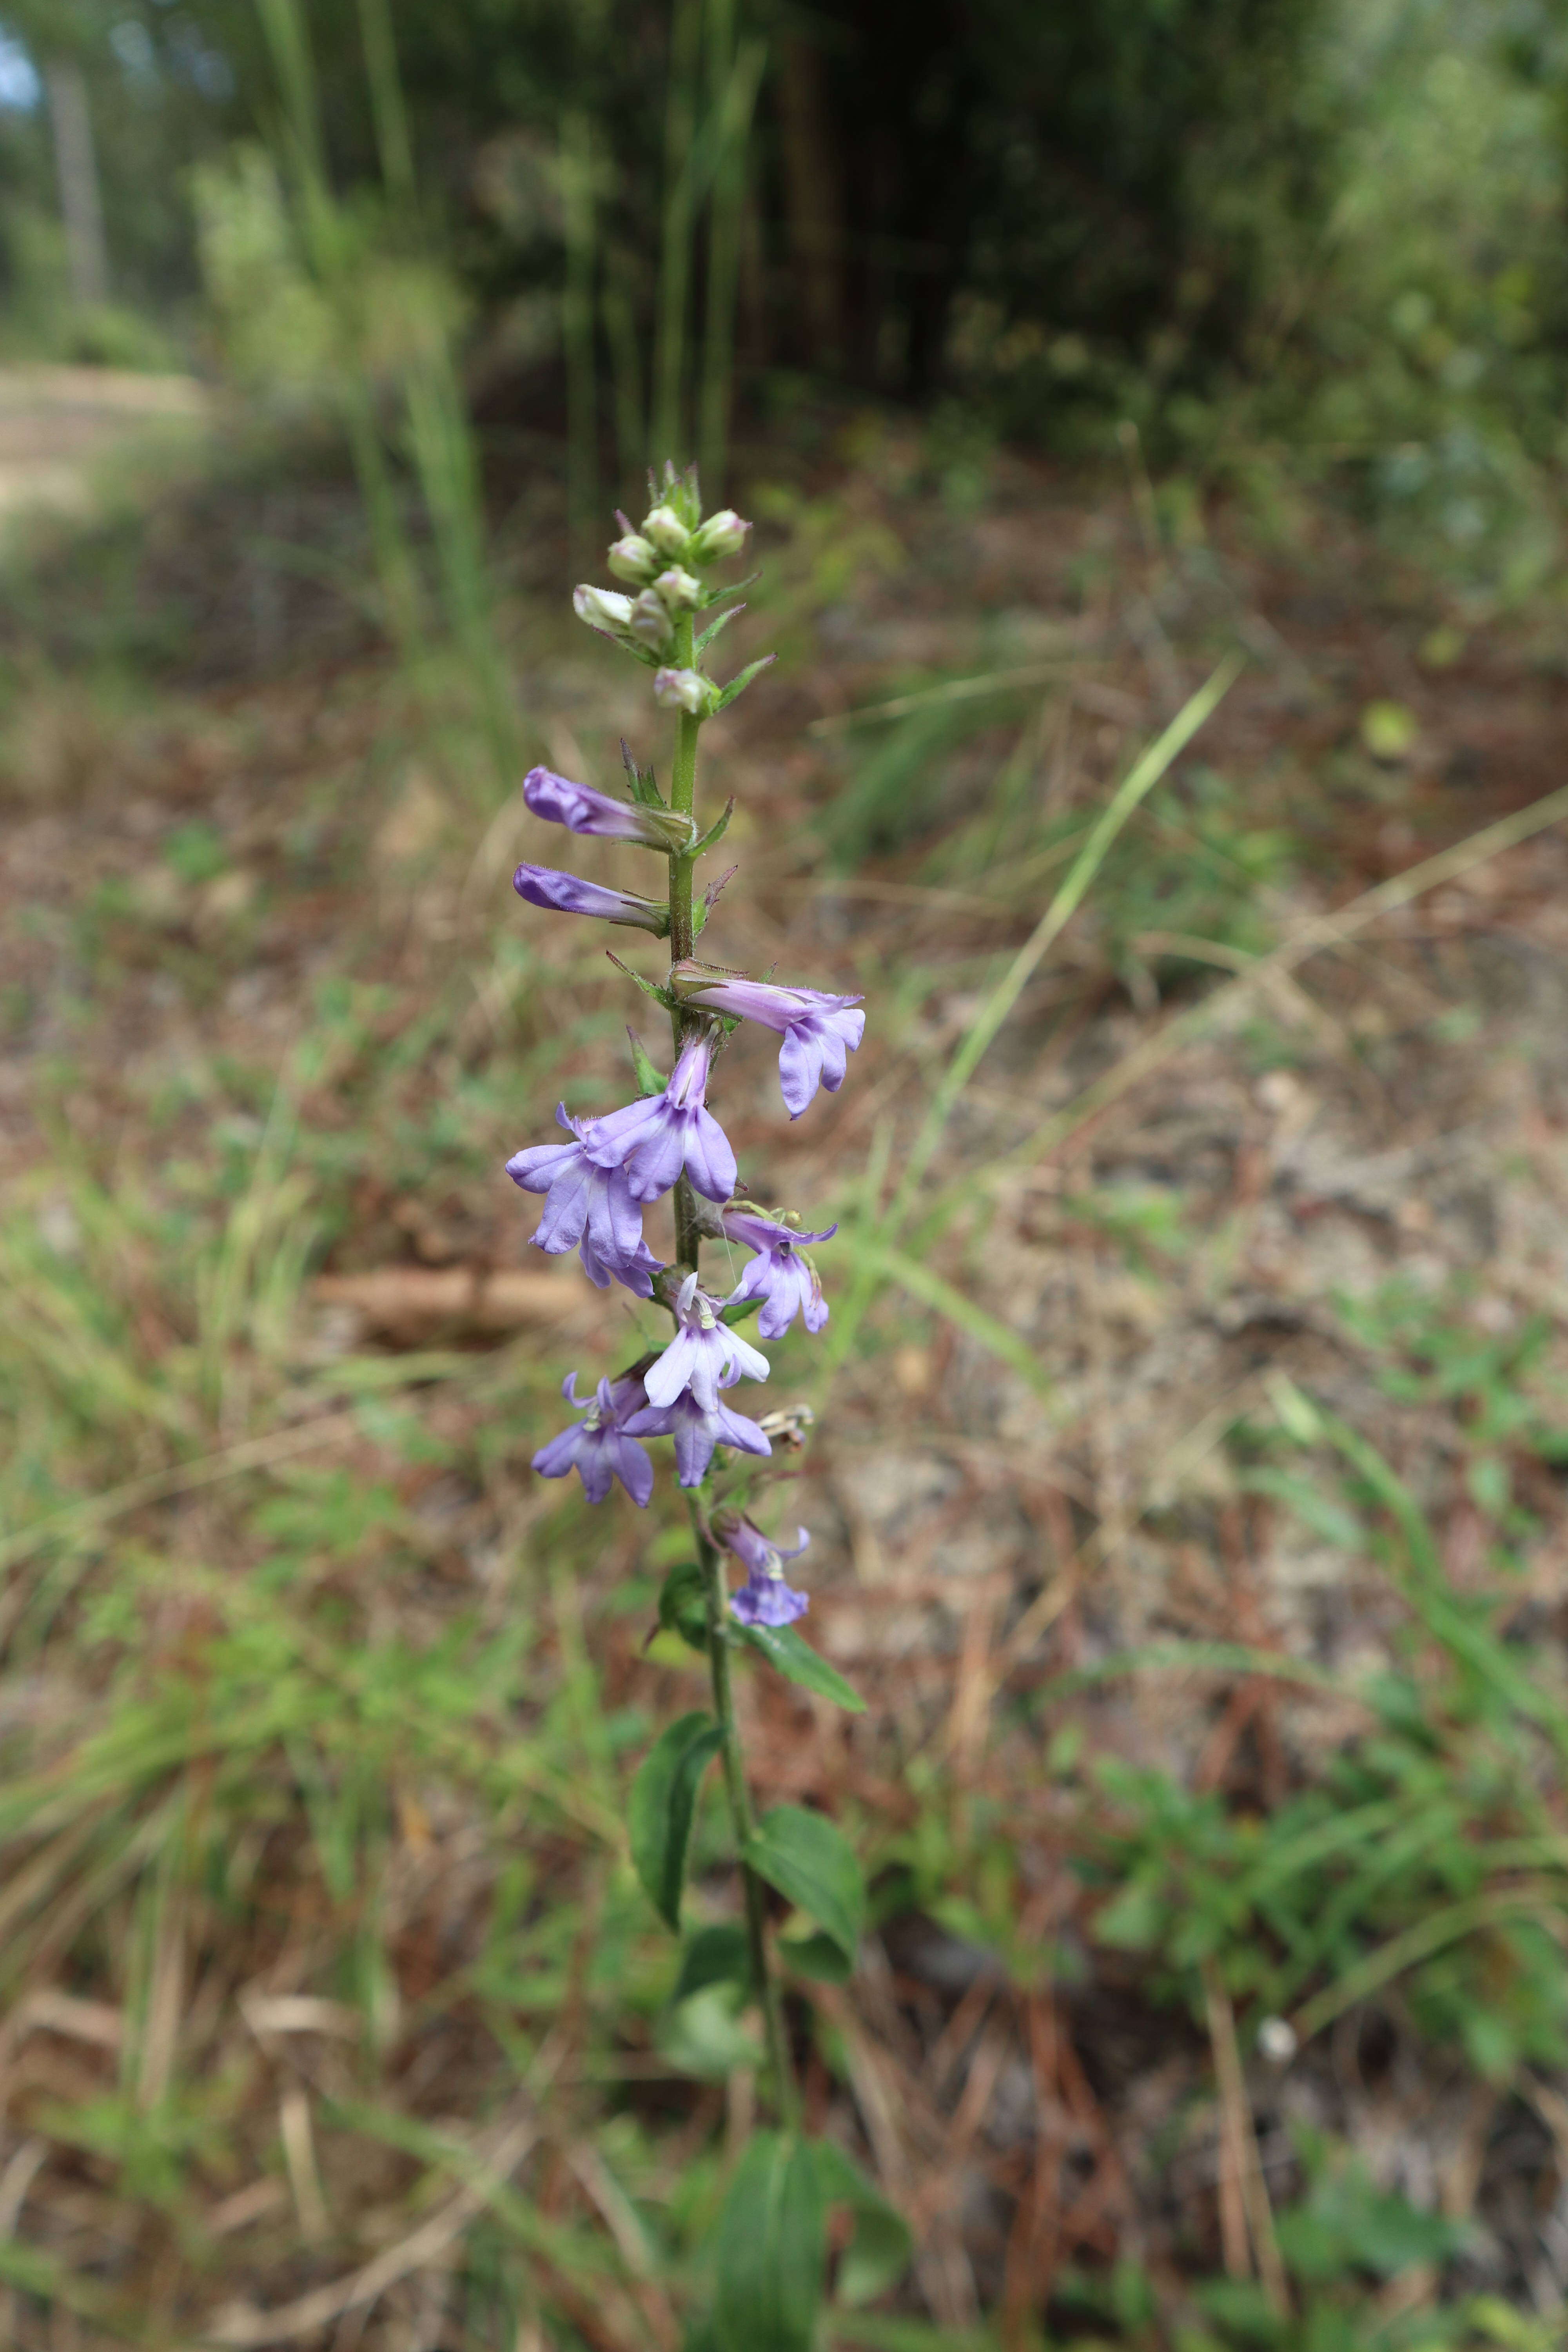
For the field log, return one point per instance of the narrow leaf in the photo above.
(791, 1656)
(649, 988)
(663, 1799)
(722, 621)
(813, 1863)
(715, 832)
(741, 681)
(773, 2250)
(878, 2254)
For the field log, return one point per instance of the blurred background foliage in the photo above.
(1290, 240)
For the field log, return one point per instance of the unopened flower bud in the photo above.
(650, 623)
(666, 530)
(680, 590)
(685, 690)
(722, 535)
(603, 609)
(633, 558)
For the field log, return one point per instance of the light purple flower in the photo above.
(568, 893)
(581, 808)
(780, 1275)
(705, 1355)
(654, 1139)
(697, 1432)
(819, 1030)
(598, 1446)
(764, 1598)
(589, 1206)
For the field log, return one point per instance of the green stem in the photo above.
(786, 2097)
(683, 797)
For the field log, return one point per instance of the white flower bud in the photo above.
(650, 623)
(666, 530)
(722, 535)
(603, 609)
(633, 558)
(685, 690)
(680, 590)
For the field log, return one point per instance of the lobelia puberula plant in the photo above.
(667, 1145)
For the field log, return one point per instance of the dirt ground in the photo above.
(1253, 1136)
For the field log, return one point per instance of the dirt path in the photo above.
(59, 423)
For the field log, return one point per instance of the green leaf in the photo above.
(878, 2254)
(812, 1862)
(795, 1658)
(683, 1606)
(715, 832)
(772, 2249)
(664, 1797)
(650, 1081)
(818, 1957)
(741, 681)
(722, 621)
(736, 1310)
(717, 1954)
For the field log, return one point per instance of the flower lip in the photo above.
(599, 1446)
(764, 1598)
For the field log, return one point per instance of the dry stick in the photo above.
(1240, 2141)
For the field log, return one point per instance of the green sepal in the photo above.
(723, 621)
(878, 2252)
(682, 1605)
(737, 1310)
(812, 1862)
(740, 682)
(818, 1957)
(791, 1656)
(772, 2249)
(716, 1955)
(715, 832)
(640, 782)
(649, 1080)
(663, 1804)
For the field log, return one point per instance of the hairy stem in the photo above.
(716, 1592)
(683, 797)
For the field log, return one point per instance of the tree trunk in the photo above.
(86, 252)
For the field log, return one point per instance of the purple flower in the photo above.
(654, 1139)
(588, 1206)
(819, 1030)
(705, 1355)
(566, 894)
(581, 808)
(780, 1275)
(697, 1432)
(764, 1598)
(598, 1446)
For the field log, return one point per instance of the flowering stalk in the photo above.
(617, 1167)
